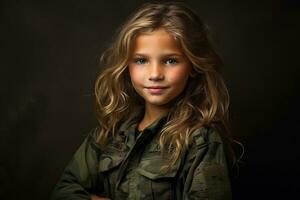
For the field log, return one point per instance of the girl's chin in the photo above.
(157, 102)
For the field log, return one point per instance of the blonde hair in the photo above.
(205, 100)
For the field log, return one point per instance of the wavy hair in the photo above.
(204, 102)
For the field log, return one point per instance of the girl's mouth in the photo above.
(156, 89)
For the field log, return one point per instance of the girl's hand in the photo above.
(95, 197)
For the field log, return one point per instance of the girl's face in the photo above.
(158, 69)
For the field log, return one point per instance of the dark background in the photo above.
(49, 53)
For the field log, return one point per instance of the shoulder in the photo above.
(206, 135)
(207, 144)
(91, 136)
(93, 133)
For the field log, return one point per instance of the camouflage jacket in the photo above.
(129, 168)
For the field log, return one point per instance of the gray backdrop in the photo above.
(48, 62)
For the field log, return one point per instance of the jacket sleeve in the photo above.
(79, 177)
(208, 176)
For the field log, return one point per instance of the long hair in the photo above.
(205, 100)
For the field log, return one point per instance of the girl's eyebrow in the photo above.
(163, 55)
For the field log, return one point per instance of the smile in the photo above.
(156, 90)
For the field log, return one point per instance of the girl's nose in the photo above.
(156, 72)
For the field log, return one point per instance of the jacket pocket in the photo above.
(157, 184)
(108, 166)
(111, 157)
(150, 168)
(109, 162)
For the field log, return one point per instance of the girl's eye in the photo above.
(140, 61)
(171, 61)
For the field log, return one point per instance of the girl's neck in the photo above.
(151, 114)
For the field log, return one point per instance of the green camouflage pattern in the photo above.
(129, 168)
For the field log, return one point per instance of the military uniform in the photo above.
(129, 168)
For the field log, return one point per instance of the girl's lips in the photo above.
(156, 90)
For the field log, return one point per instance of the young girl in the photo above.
(162, 107)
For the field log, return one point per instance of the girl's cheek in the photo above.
(136, 75)
(132, 72)
(179, 74)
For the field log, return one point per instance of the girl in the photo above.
(162, 107)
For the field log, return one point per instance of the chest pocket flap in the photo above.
(151, 163)
(110, 159)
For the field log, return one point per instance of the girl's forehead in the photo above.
(160, 30)
(156, 40)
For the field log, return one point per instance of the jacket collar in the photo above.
(131, 125)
